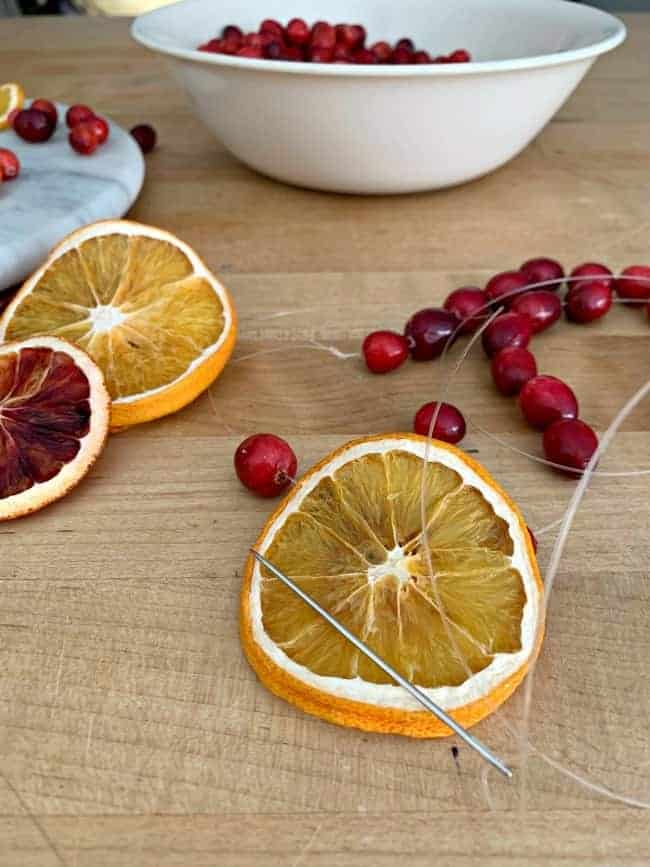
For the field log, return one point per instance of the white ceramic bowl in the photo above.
(385, 129)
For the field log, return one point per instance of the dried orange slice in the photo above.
(350, 534)
(11, 96)
(142, 304)
(54, 411)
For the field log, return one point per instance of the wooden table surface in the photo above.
(132, 731)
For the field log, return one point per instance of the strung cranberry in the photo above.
(265, 464)
(385, 351)
(323, 37)
(533, 539)
(230, 31)
(101, 128)
(511, 329)
(270, 25)
(145, 136)
(588, 301)
(83, 139)
(78, 114)
(541, 270)
(293, 53)
(47, 108)
(364, 57)
(428, 331)
(546, 399)
(341, 54)
(570, 443)
(405, 43)
(542, 307)
(9, 165)
(466, 303)
(450, 424)
(422, 57)
(512, 367)
(382, 51)
(298, 31)
(502, 288)
(318, 54)
(402, 56)
(592, 269)
(459, 56)
(251, 51)
(33, 125)
(634, 283)
(352, 35)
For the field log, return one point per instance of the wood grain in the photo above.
(131, 729)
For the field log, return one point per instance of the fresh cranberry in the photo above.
(421, 57)
(265, 464)
(9, 165)
(382, 51)
(466, 303)
(274, 50)
(385, 351)
(545, 399)
(592, 269)
(428, 331)
(252, 40)
(101, 128)
(293, 53)
(33, 125)
(11, 117)
(323, 37)
(570, 443)
(83, 139)
(364, 57)
(542, 307)
(251, 51)
(459, 56)
(352, 35)
(588, 301)
(449, 427)
(441, 58)
(319, 54)
(502, 288)
(270, 25)
(341, 54)
(533, 539)
(212, 46)
(512, 367)
(78, 114)
(542, 270)
(298, 31)
(145, 136)
(405, 43)
(634, 283)
(47, 108)
(511, 329)
(233, 39)
(230, 31)
(402, 56)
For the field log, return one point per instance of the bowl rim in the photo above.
(142, 33)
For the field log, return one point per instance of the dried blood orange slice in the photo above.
(454, 607)
(54, 412)
(12, 97)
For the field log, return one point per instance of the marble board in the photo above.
(58, 190)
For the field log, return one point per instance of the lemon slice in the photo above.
(11, 96)
(455, 606)
(142, 304)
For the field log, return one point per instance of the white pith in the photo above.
(104, 317)
(127, 228)
(502, 666)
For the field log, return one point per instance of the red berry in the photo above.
(213, 46)
(47, 108)
(428, 331)
(318, 54)
(449, 427)
(512, 367)
(230, 31)
(265, 464)
(33, 125)
(298, 31)
(352, 35)
(270, 25)
(402, 56)
(293, 53)
(588, 301)
(274, 50)
(382, 51)
(341, 54)
(11, 117)
(533, 539)
(145, 136)
(408, 44)
(505, 286)
(542, 307)
(254, 40)
(251, 51)
(83, 139)
(422, 57)
(9, 165)
(323, 37)
(78, 114)
(511, 329)
(634, 283)
(570, 442)
(101, 128)
(545, 399)
(384, 351)
(459, 56)
(465, 304)
(592, 269)
(541, 270)
(364, 57)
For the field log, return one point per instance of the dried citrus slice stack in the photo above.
(12, 96)
(142, 304)
(350, 534)
(54, 411)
